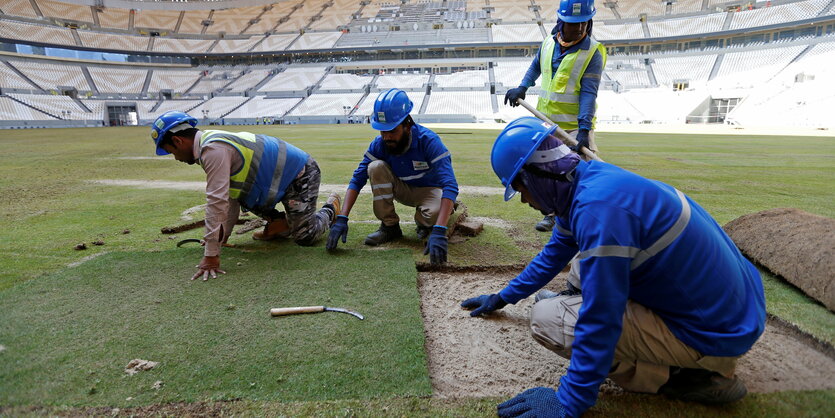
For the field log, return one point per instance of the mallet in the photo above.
(561, 133)
(311, 309)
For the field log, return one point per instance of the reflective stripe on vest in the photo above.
(561, 90)
(638, 255)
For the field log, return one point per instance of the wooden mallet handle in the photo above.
(296, 310)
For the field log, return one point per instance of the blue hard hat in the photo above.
(165, 122)
(514, 146)
(390, 108)
(576, 11)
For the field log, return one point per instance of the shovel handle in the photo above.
(296, 310)
(561, 133)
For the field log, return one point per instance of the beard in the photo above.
(400, 145)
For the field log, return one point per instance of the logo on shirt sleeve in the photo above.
(420, 165)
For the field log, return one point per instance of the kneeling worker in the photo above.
(407, 163)
(249, 171)
(665, 303)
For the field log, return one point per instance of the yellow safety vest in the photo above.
(560, 99)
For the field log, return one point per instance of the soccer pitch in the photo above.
(69, 329)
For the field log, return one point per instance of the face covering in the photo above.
(557, 30)
(552, 195)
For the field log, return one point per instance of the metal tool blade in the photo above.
(344, 311)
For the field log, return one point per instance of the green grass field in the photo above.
(68, 332)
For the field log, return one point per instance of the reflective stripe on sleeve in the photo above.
(370, 157)
(446, 154)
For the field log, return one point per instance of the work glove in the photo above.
(436, 247)
(338, 229)
(484, 304)
(582, 140)
(536, 402)
(513, 95)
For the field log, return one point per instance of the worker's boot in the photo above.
(334, 203)
(384, 234)
(570, 290)
(703, 386)
(546, 224)
(423, 231)
(274, 229)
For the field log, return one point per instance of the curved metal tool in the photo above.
(311, 309)
(186, 241)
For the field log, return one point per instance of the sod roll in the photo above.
(791, 243)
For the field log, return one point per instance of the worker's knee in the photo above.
(552, 323)
(379, 170)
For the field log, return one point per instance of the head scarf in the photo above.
(558, 27)
(553, 195)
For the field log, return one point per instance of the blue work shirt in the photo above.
(697, 281)
(588, 84)
(427, 163)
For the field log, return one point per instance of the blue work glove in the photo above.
(536, 402)
(436, 247)
(339, 229)
(582, 140)
(513, 95)
(484, 304)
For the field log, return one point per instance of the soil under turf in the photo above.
(496, 356)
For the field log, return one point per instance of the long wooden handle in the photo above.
(561, 133)
(296, 310)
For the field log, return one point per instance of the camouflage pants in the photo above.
(305, 222)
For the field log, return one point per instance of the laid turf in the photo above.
(68, 336)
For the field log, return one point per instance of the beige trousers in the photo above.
(646, 348)
(387, 188)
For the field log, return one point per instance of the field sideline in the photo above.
(51, 203)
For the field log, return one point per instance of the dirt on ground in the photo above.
(797, 245)
(496, 356)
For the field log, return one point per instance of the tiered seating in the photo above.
(218, 106)
(366, 108)
(10, 79)
(144, 107)
(97, 109)
(271, 17)
(111, 41)
(50, 76)
(370, 10)
(511, 11)
(27, 31)
(336, 15)
(248, 80)
(233, 21)
(213, 82)
(276, 42)
(301, 17)
(118, 80)
(510, 73)
(603, 31)
(114, 18)
(686, 6)
(294, 79)
(156, 19)
(750, 68)
(471, 78)
(694, 68)
(344, 82)
(634, 8)
(177, 81)
(613, 107)
(18, 8)
(686, 25)
(459, 103)
(12, 110)
(509, 113)
(401, 81)
(823, 48)
(630, 78)
(316, 40)
(777, 14)
(516, 33)
(63, 11)
(193, 21)
(226, 46)
(261, 106)
(425, 37)
(61, 106)
(190, 46)
(662, 105)
(326, 104)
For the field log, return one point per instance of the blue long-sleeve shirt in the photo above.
(589, 84)
(427, 163)
(706, 292)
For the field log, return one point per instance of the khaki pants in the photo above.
(387, 188)
(644, 353)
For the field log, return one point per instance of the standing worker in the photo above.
(407, 163)
(571, 63)
(250, 171)
(663, 301)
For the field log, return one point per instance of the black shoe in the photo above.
(703, 386)
(546, 224)
(423, 231)
(547, 294)
(384, 234)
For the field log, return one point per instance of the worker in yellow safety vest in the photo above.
(570, 77)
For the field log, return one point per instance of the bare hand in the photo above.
(209, 266)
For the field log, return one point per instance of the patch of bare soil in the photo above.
(496, 356)
(794, 244)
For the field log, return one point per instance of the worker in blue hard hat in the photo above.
(407, 163)
(571, 64)
(663, 301)
(250, 171)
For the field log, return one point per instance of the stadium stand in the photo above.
(315, 40)
(248, 80)
(401, 81)
(686, 25)
(295, 79)
(686, 6)
(510, 73)
(516, 33)
(693, 68)
(22, 30)
(327, 104)
(63, 107)
(11, 110)
(52, 76)
(118, 80)
(191, 46)
(475, 103)
(217, 107)
(178, 81)
(748, 68)
(193, 21)
(156, 19)
(261, 106)
(11, 79)
(227, 46)
(213, 82)
(301, 16)
(344, 82)
(470, 78)
(145, 113)
(65, 11)
(19, 8)
(611, 31)
(114, 18)
(275, 42)
(232, 21)
(511, 11)
(113, 41)
(508, 113)
(270, 18)
(336, 15)
(777, 14)
(635, 8)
